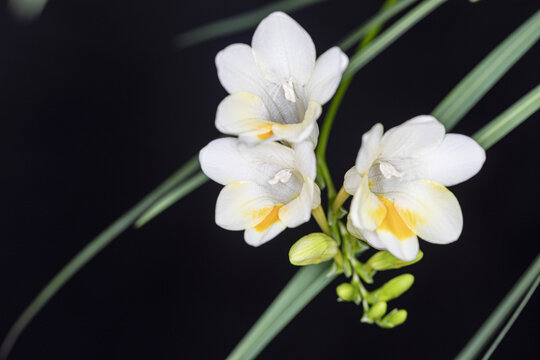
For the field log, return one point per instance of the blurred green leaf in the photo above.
(237, 23)
(509, 119)
(482, 78)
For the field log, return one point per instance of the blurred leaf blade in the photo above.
(493, 322)
(380, 18)
(509, 119)
(89, 251)
(237, 23)
(299, 291)
(483, 77)
(172, 198)
(393, 33)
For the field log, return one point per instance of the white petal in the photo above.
(295, 133)
(430, 210)
(367, 212)
(227, 160)
(221, 162)
(352, 180)
(306, 161)
(298, 211)
(373, 239)
(283, 50)
(404, 249)
(244, 114)
(370, 148)
(412, 139)
(242, 204)
(457, 159)
(256, 238)
(327, 75)
(237, 70)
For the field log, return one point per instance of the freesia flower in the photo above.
(399, 182)
(277, 88)
(268, 187)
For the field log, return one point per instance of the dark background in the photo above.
(97, 108)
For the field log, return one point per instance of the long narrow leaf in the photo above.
(479, 81)
(171, 198)
(477, 342)
(380, 18)
(91, 250)
(512, 319)
(392, 34)
(300, 290)
(237, 23)
(509, 119)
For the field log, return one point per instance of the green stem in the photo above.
(333, 109)
(91, 250)
(475, 345)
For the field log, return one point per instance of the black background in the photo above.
(97, 108)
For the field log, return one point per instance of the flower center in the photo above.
(282, 176)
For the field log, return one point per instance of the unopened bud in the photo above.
(393, 319)
(313, 249)
(346, 292)
(377, 311)
(392, 289)
(383, 260)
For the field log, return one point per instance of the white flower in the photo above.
(268, 187)
(399, 183)
(276, 86)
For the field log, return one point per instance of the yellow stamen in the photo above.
(269, 220)
(393, 222)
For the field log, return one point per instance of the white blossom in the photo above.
(399, 182)
(268, 186)
(277, 87)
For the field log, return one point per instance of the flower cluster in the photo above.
(277, 88)
(276, 92)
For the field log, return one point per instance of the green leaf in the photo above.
(301, 289)
(478, 341)
(378, 20)
(237, 23)
(393, 33)
(509, 119)
(482, 78)
(91, 250)
(172, 198)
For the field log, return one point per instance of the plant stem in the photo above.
(320, 217)
(332, 112)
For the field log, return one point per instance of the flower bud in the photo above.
(393, 319)
(377, 311)
(346, 292)
(383, 260)
(313, 249)
(392, 289)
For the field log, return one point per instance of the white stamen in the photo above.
(288, 89)
(388, 170)
(282, 176)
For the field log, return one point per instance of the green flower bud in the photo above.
(346, 292)
(392, 289)
(313, 249)
(377, 311)
(394, 318)
(383, 260)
